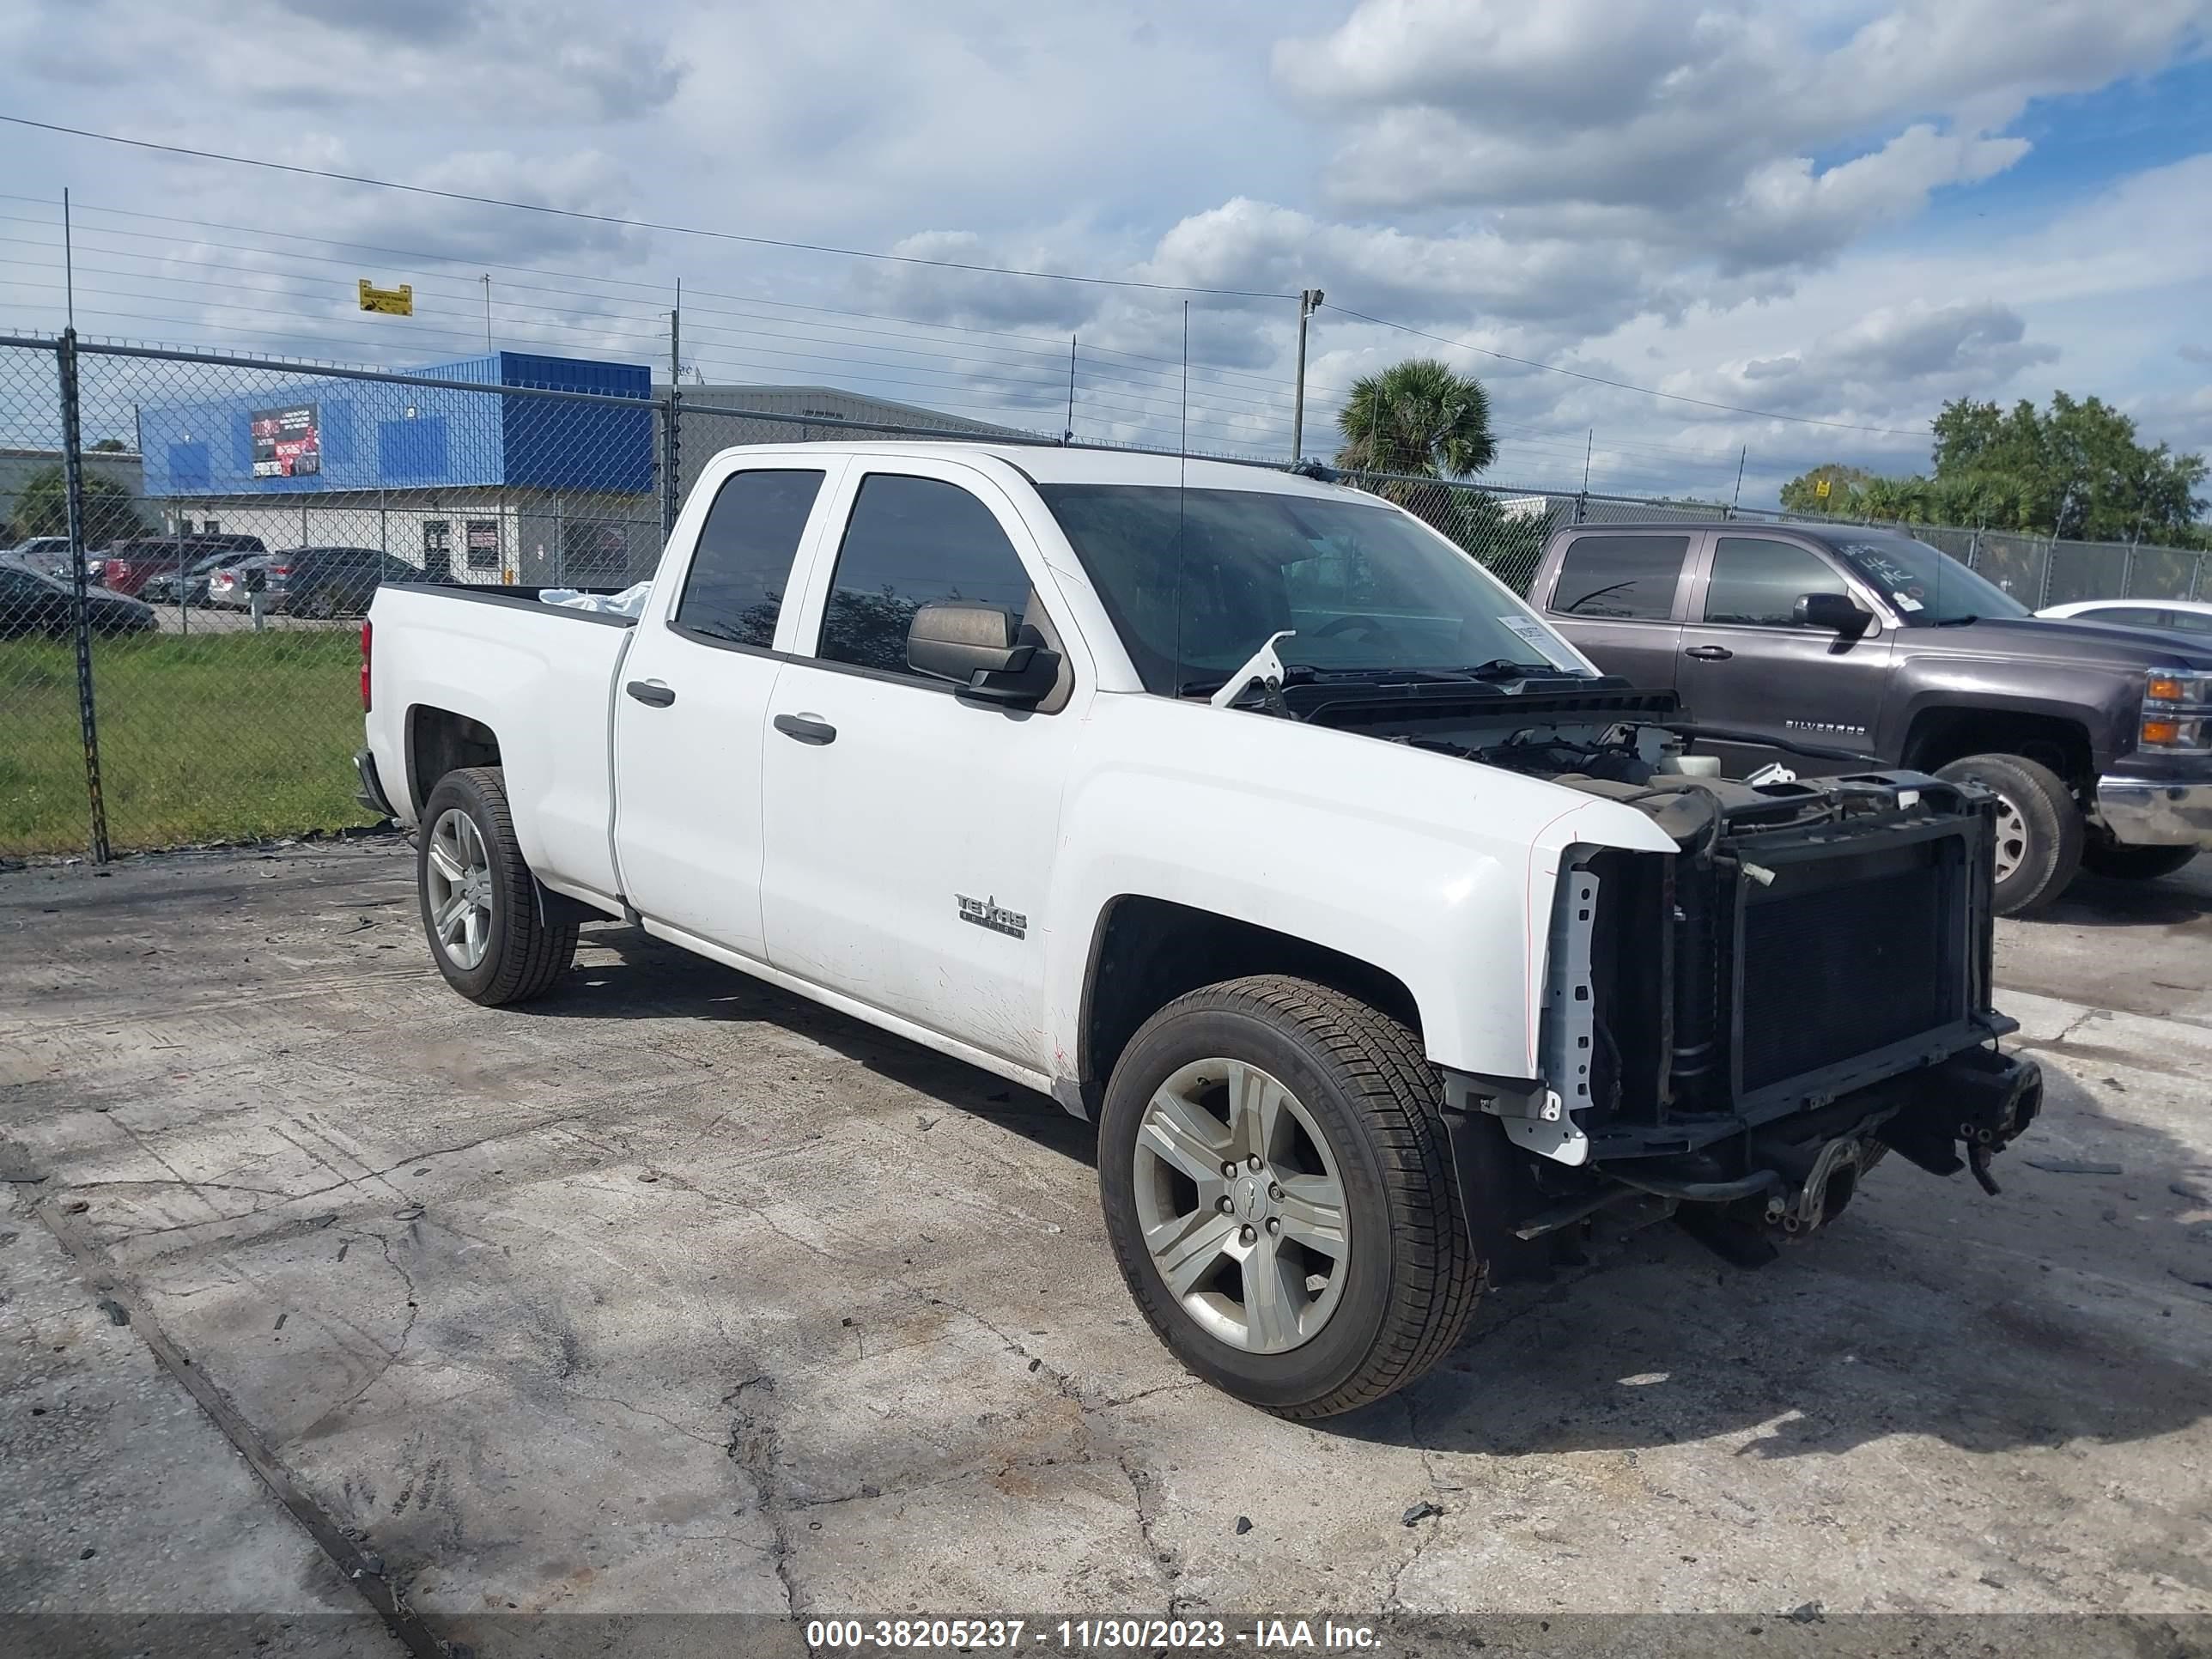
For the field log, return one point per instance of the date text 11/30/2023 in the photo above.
(1141, 1635)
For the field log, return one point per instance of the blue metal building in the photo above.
(488, 486)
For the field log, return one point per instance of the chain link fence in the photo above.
(194, 538)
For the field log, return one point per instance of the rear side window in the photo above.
(1616, 577)
(913, 542)
(734, 590)
(1757, 581)
(2189, 622)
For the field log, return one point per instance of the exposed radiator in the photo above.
(1836, 970)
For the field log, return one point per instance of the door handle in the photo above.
(647, 692)
(807, 728)
(1710, 653)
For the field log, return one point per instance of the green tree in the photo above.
(110, 447)
(111, 512)
(1417, 417)
(2077, 469)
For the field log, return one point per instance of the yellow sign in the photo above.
(1819, 485)
(392, 302)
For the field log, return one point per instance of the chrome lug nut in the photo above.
(1253, 1163)
(1229, 1170)
(1223, 1204)
(1274, 1225)
(1246, 1236)
(1274, 1190)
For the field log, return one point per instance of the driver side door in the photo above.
(910, 833)
(1747, 663)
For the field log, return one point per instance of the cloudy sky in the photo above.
(1837, 210)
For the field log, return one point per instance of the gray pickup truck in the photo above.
(1820, 647)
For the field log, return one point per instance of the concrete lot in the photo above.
(674, 1292)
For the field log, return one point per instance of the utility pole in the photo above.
(1068, 435)
(1740, 462)
(676, 338)
(68, 265)
(487, 282)
(1308, 302)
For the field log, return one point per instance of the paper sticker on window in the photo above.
(1907, 602)
(1535, 633)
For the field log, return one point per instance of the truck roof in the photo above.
(1052, 464)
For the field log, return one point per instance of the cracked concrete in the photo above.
(674, 1293)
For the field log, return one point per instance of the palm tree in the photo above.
(1417, 417)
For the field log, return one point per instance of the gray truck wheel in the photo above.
(1278, 1190)
(480, 911)
(2040, 834)
(2115, 859)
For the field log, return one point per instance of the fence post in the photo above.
(80, 610)
(671, 452)
(2050, 556)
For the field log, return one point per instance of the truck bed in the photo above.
(539, 674)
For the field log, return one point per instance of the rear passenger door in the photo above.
(692, 702)
(1615, 595)
(1747, 663)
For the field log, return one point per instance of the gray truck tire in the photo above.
(1363, 1119)
(487, 930)
(2125, 863)
(2039, 832)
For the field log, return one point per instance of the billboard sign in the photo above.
(288, 442)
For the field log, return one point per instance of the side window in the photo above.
(913, 542)
(2189, 622)
(1759, 582)
(1620, 576)
(2126, 616)
(734, 589)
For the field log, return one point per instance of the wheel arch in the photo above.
(1942, 732)
(442, 740)
(1146, 952)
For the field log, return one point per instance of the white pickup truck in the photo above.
(1384, 938)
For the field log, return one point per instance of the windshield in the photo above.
(1927, 585)
(1366, 590)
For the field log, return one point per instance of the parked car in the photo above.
(313, 581)
(1381, 935)
(32, 603)
(48, 555)
(2097, 739)
(2190, 617)
(189, 586)
(126, 567)
(232, 586)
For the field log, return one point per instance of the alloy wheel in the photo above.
(2011, 837)
(459, 883)
(1242, 1205)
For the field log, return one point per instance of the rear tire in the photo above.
(2125, 863)
(2039, 833)
(1359, 1120)
(480, 907)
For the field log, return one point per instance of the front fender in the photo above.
(1438, 871)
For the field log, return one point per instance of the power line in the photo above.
(1623, 385)
(631, 224)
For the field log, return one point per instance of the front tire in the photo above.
(1278, 1190)
(2125, 863)
(488, 932)
(2040, 834)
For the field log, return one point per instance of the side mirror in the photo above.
(981, 647)
(1834, 611)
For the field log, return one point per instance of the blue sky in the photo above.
(1841, 211)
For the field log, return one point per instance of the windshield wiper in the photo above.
(1504, 668)
(1957, 621)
